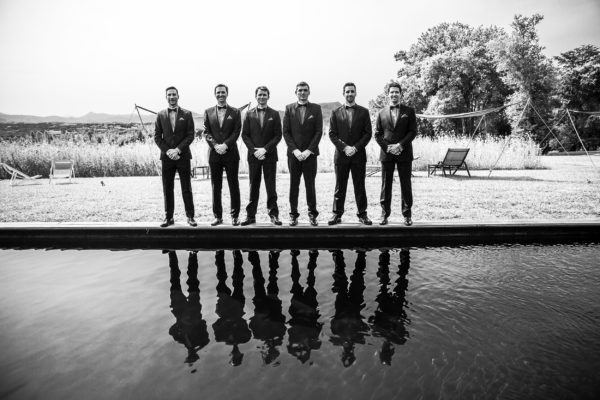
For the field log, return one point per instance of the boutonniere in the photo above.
(229, 117)
(310, 117)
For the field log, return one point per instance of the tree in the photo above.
(528, 73)
(451, 69)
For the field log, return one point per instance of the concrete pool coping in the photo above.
(148, 235)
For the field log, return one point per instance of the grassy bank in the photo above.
(561, 191)
(141, 159)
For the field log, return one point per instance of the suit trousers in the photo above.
(387, 180)
(168, 170)
(342, 173)
(269, 170)
(308, 168)
(216, 176)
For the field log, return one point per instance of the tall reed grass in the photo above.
(142, 158)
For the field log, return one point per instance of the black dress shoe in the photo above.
(384, 221)
(407, 221)
(335, 219)
(167, 222)
(275, 220)
(293, 221)
(248, 221)
(313, 220)
(217, 221)
(235, 221)
(191, 222)
(365, 220)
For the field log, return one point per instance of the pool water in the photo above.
(506, 322)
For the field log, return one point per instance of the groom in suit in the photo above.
(261, 133)
(173, 134)
(302, 131)
(222, 125)
(395, 130)
(350, 131)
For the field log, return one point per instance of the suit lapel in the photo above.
(167, 120)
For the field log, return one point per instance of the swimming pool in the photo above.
(465, 322)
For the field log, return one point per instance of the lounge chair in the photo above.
(62, 170)
(15, 175)
(453, 161)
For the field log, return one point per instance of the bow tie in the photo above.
(172, 110)
(396, 106)
(262, 109)
(221, 107)
(350, 107)
(301, 105)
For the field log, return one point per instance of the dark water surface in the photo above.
(451, 323)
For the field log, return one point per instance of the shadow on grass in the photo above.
(494, 178)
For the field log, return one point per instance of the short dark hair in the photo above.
(302, 83)
(391, 85)
(172, 88)
(348, 84)
(266, 89)
(222, 85)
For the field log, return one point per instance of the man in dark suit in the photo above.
(395, 130)
(173, 134)
(350, 131)
(261, 133)
(222, 125)
(302, 131)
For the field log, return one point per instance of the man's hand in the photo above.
(350, 151)
(221, 148)
(260, 153)
(173, 154)
(299, 155)
(395, 149)
(305, 154)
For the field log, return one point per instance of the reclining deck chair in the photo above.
(62, 169)
(15, 175)
(453, 161)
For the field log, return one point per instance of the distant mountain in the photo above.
(101, 118)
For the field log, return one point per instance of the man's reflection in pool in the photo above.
(389, 319)
(304, 326)
(268, 322)
(231, 327)
(189, 328)
(347, 325)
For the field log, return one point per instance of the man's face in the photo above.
(172, 97)
(262, 97)
(302, 92)
(394, 94)
(221, 94)
(350, 94)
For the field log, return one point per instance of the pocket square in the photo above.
(181, 119)
(270, 119)
(229, 117)
(404, 116)
(310, 117)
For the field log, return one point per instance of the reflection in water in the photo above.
(189, 328)
(347, 325)
(389, 318)
(304, 325)
(231, 327)
(268, 322)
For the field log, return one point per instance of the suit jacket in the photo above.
(267, 136)
(403, 132)
(357, 135)
(227, 134)
(181, 136)
(303, 136)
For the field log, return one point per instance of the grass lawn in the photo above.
(568, 188)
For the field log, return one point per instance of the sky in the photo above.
(71, 57)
